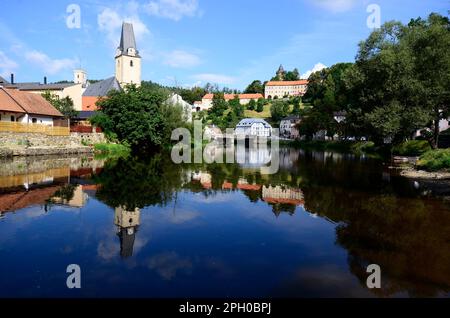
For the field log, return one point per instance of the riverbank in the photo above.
(33, 144)
(358, 148)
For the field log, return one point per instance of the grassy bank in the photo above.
(113, 150)
(366, 147)
(435, 160)
(412, 148)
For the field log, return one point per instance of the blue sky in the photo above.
(191, 42)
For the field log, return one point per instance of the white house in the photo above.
(288, 127)
(253, 127)
(26, 108)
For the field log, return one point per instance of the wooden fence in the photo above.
(34, 128)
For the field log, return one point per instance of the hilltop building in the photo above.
(243, 98)
(281, 89)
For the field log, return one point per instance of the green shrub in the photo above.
(112, 149)
(435, 160)
(412, 148)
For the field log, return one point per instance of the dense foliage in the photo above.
(398, 85)
(140, 117)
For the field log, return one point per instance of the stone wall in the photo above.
(32, 144)
(8, 139)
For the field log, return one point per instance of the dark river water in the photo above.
(150, 228)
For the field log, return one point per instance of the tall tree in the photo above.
(256, 87)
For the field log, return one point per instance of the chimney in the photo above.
(45, 80)
(12, 78)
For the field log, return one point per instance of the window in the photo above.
(131, 63)
(13, 118)
(34, 120)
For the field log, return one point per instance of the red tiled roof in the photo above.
(8, 104)
(250, 187)
(287, 83)
(29, 103)
(231, 96)
(284, 201)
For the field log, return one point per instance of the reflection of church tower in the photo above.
(128, 223)
(128, 61)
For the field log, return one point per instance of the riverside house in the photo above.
(22, 112)
(253, 127)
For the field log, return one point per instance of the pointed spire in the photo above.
(127, 40)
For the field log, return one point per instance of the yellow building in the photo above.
(281, 89)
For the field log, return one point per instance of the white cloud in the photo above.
(316, 68)
(173, 9)
(7, 66)
(182, 59)
(215, 78)
(110, 22)
(49, 65)
(335, 5)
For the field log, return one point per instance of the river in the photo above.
(150, 228)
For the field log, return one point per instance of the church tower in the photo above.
(128, 61)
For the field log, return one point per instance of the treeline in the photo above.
(398, 85)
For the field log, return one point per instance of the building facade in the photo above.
(26, 108)
(288, 127)
(250, 127)
(128, 61)
(243, 98)
(281, 89)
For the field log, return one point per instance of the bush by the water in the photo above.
(412, 148)
(435, 160)
(112, 149)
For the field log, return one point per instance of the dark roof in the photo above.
(86, 114)
(291, 117)
(43, 87)
(102, 88)
(127, 39)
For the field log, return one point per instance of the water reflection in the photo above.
(362, 215)
(127, 224)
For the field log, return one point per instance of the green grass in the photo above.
(114, 150)
(412, 148)
(254, 114)
(435, 160)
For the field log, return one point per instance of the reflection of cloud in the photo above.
(108, 250)
(322, 281)
(168, 264)
(181, 217)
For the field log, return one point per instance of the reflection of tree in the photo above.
(399, 234)
(65, 194)
(136, 184)
(279, 208)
